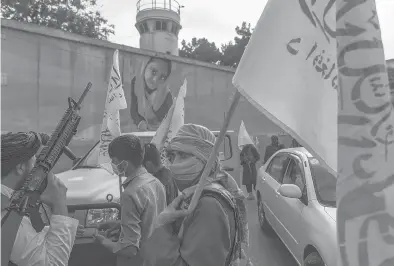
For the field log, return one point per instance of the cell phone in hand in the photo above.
(89, 232)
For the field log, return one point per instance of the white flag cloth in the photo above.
(256, 141)
(161, 133)
(288, 72)
(365, 187)
(243, 136)
(172, 122)
(114, 102)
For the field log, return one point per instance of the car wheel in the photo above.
(313, 259)
(264, 224)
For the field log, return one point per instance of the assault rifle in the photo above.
(26, 199)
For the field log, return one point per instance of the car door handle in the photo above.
(228, 169)
(277, 193)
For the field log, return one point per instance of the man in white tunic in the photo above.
(34, 246)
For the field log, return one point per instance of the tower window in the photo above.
(143, 27)
(174, 28)
(161, 25)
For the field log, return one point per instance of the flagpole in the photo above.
(213, 156)
(120, 185)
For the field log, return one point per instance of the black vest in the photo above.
(228, 203)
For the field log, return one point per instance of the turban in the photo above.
(17, 148)
(194, 139)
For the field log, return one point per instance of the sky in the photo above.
(216, 19)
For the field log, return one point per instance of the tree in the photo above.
(233, 51)
(75, 16)
(230, 53)
(200, 49)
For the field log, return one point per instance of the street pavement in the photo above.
(265, 250)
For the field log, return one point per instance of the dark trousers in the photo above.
(250, 187)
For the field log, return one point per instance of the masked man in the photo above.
(142, 199)
(33, 245)
(213, 234)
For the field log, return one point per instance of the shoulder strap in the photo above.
(9, 227)
(226, 200)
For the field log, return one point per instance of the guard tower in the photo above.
(158, 23)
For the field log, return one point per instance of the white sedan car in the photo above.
(296, 198)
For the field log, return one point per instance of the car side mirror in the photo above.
(290, 191)
(93, 215)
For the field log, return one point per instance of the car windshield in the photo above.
(325, 183)
(91, 159)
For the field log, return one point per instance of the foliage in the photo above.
(200, 49)
(230, 53)
(75, 16)
(233, 51)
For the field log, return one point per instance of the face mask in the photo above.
(117, 171)
(186, 171)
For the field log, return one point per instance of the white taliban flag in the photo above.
(288, 72)
(365, 187)
(243, 136)
(114, 102)
(173, 121)
(256, 141)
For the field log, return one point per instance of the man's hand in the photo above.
(172, 212)
(55, 195)
(98, 238)
(80, 230)
(102, 240)
(111, 228)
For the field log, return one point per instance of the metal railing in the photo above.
(171, 5)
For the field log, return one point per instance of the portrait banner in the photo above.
(152, 90)
(171, 124)
(365, 186)
(288, 72)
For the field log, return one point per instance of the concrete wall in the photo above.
(41, 67)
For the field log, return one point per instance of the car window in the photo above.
(277, 167)
(295, 175)
(324, 182)
(92, 158)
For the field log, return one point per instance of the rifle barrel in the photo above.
(84, 94)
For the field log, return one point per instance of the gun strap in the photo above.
(9, 228)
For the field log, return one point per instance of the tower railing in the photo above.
(170, 5)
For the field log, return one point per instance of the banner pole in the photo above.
(213, 156)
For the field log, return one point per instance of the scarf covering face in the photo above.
(187, 172)
(17, 148)
(199, 141)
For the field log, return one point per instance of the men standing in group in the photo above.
(154, 165)
(52, 244)
(143, 198)
(272, 148)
